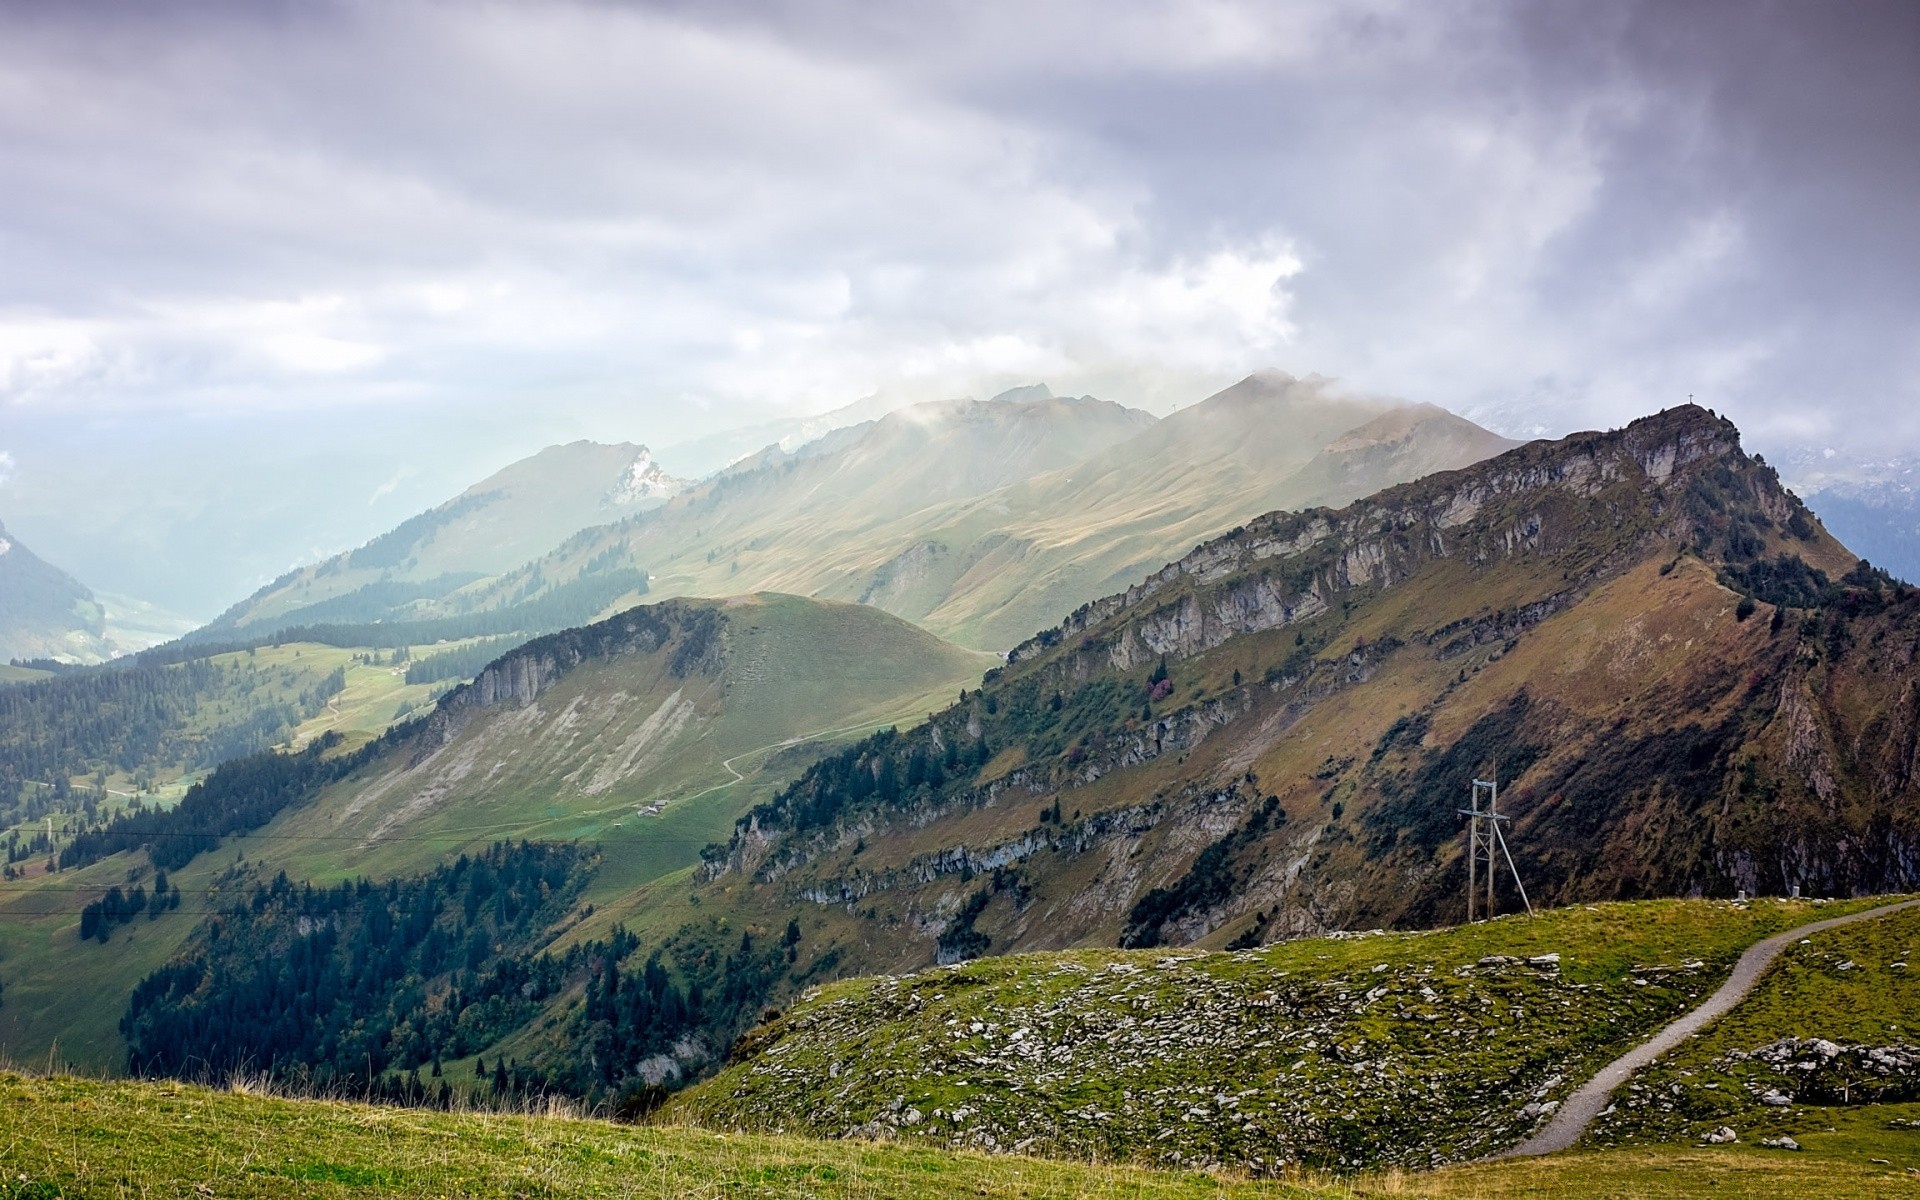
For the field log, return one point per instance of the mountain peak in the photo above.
(1032, 391)
(645, 480)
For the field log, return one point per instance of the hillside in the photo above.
(45, 612)
(508, 518)
(82, 744)
(991, 572)
(1826, 1040)
(984, 522)
(1270, 736)
(623, 732)
(1411, 1049)
(647, 733)
(71, 1137)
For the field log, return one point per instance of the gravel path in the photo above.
(1577, 1112)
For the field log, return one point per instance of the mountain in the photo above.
(647, 733)
(1881, 521)
(514, 515)
(985, 521)
(980, 520)
(783, 520)
(638, 731)
(45, 612)
(1684, 685)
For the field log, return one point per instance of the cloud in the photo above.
(658, 219)
(6, 467)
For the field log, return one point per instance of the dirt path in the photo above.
(1577, 1112)
(779, 745)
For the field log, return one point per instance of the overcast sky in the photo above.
(334, 229)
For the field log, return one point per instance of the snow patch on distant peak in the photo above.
(644, 480)
(5, 545)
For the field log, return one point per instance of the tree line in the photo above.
(241, 795)
(360, 986)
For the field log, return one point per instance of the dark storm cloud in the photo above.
(648, 220)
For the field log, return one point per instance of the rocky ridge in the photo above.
(1354, 1051)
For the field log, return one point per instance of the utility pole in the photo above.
(1484, 839)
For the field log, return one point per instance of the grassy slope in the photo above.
(1396, 1048)
(68, 1137)
(580, 764)
(799, 669)
(1842, 986)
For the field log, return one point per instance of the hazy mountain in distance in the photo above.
(511, 516)
(1881, 521)
(45, 612)
(990, 571)
(787, 520)
(986, 521)
(982, 521)
(1873, 505)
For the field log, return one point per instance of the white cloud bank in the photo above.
(660, 218)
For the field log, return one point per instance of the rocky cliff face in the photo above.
(1288, 567)
(518, 678)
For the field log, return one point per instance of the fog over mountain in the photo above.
(267, 294)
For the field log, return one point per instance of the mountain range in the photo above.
(497, 524)
(980, 520)
(47, 614)
(665, 820)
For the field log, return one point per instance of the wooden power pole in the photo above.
(1486, 849)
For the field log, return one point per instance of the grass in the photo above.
(85, 1138)
(1346, 1052)
(66, 1137)
(577, 764)
(1841, 986)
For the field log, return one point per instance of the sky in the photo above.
(274, 276)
